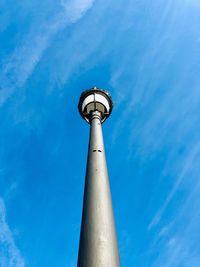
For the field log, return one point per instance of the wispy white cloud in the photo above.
(20, 64)
(74, 10)
(177, 250)
(10, 255)
(177, 242)
(187, 167)
(178, 246)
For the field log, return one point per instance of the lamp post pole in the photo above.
(98, 243)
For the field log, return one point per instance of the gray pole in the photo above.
(98, 243)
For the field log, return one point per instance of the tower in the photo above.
(98, 243)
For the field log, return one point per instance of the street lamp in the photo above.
(98, 243)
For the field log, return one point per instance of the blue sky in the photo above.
(147, 54)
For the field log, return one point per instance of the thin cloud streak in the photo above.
(21, 64)
(177, 248)
(187, 167)
(75, 10)
(10, 255)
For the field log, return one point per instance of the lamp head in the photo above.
(95, 99)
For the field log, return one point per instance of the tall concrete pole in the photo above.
(98, 243)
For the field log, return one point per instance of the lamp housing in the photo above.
(95, 99)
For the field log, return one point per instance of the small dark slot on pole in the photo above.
(99, 151)
(94, 151)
